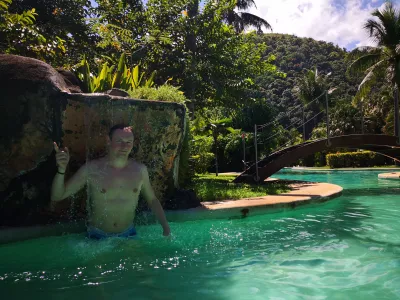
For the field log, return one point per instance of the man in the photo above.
(114, 184)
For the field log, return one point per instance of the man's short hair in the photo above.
(118, 126)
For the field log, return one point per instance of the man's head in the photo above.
(121, 140)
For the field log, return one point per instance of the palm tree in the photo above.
(311, 85)
(241, 20)
(383, 60)
(215, 128)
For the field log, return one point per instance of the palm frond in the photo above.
(361, 64)
(365, 86)
(386, 30)
(376, 31)
(253, 20)
(245, 4)
(223, 121)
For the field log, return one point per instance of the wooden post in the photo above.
(255, 146)
(304, 126)
(244, 151)
(396, 113)
(327, 118)
(362, 115)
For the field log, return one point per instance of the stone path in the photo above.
(300, 192)
(393, 175)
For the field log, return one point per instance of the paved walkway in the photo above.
(393, 175)
(300, 193)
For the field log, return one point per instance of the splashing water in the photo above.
(347, 248)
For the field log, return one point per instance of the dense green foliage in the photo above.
(20, 34)
(195, 52)
(355, 159)
(382, 61)
(65, 19)
(297, 57)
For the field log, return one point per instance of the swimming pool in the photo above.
(347, 248)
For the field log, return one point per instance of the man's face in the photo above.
(121, 142)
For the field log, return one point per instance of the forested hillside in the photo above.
(294, 56)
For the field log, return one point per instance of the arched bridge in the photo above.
(383, 144)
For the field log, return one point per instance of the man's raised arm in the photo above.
(59, 189)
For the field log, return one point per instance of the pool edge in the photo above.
(292, 200)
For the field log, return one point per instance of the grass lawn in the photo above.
(209, 187)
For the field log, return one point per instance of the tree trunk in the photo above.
(216, 153)
(191, 47)
(396, 112)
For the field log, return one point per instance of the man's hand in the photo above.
(167, 232)
(62, 157)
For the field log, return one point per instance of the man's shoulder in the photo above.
(94, 164)
(137, 165)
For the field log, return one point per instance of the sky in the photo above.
(337, 21)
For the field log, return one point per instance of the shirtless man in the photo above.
(114, 184)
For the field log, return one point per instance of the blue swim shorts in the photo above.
(95, 233)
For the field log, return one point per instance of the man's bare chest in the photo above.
(126, 182)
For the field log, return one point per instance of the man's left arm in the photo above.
(153, 202)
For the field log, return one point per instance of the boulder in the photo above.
(73, 83)
(32, 98)
(38, 107)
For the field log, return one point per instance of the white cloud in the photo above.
(337, 21)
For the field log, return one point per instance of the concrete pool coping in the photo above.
(301, 193)
(340, 169)
(392, 176)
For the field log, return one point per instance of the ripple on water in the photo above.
(348, 248)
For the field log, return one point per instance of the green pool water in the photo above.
(347, 248)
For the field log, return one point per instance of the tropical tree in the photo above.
(19, 34)
(215, 128)
(66, 19)
(382, 60)
(120, 25)
(213, 64)
(311, 86)
(241, 20)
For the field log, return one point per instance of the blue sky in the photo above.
(337, 21)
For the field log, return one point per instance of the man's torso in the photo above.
(113, 195)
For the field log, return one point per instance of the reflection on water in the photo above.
(347, 248)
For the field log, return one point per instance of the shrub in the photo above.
(202, 162)
(165, 92)
(354, 159)
(201, 155)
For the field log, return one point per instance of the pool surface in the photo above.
(347, 248)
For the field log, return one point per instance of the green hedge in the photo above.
(355, 159)
(202, 162)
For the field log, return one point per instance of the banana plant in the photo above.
(123, 77)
